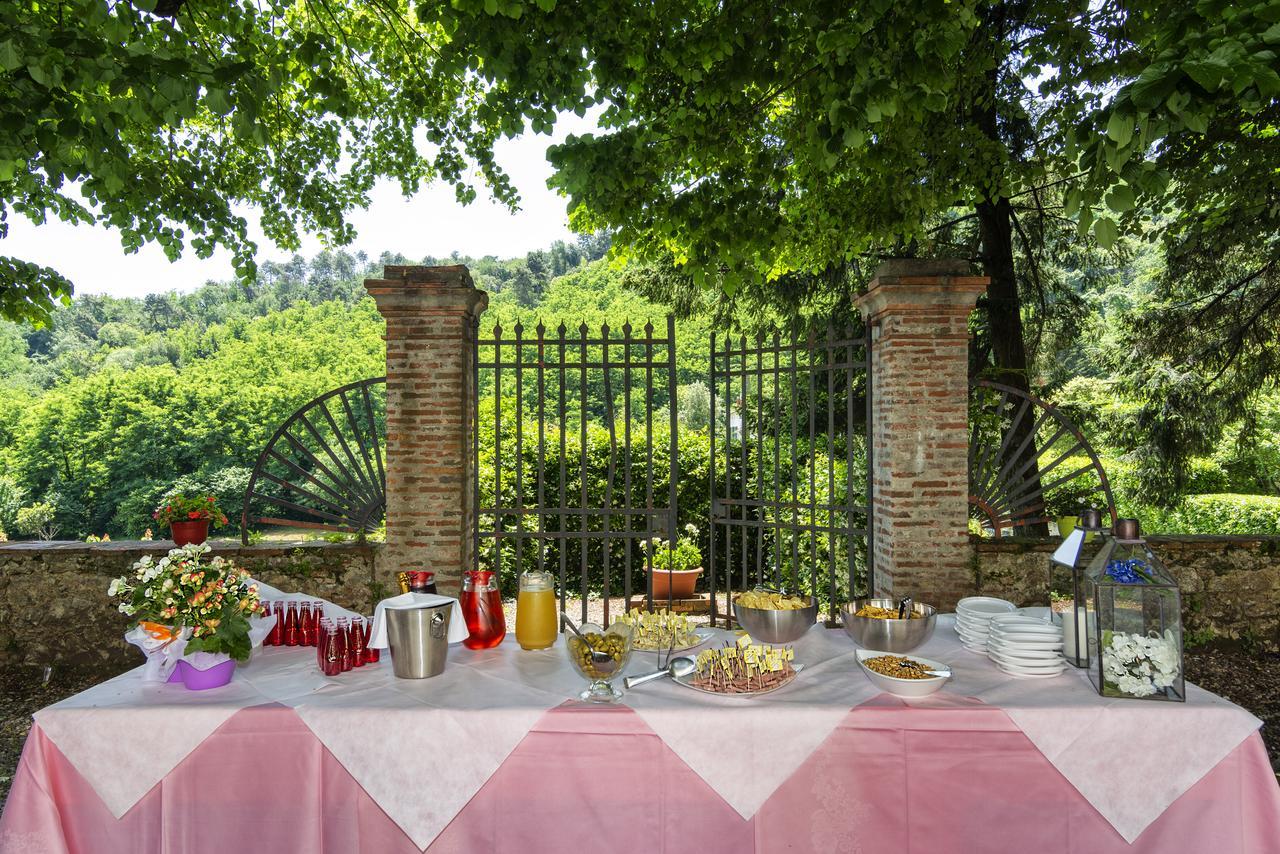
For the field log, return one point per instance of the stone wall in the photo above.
(54, 608)
(1230, 585)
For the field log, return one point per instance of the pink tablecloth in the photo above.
(889, 778)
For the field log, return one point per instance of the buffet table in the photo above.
(490, 757)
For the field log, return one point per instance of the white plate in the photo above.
(684, 680)
(1044, 666)
(984, 605)
(976, 650)
(977, 640)
(1030, 644)
(1012, 621)
(973, 626)
(1039, 612)
(703, 636)
(1019, 675)
(1028, 661)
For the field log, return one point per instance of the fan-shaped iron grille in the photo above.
(324, 467)
(1028, 463)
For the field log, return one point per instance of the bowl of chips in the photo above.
(874, 624)
(774, 617)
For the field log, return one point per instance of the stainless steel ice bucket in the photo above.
(419, 639)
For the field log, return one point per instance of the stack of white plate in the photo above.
(1025, 646)
(973, 618)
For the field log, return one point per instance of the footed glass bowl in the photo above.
(615, 643)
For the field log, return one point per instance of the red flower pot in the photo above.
(673, 584)
(194, 531)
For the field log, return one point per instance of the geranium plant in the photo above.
(182, 508)
(212, 597)
(682, 557)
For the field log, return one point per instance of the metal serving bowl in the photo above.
(776, 626)
(888, 635)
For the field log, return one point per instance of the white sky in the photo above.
(431, 223)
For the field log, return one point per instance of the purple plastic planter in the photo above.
(200, 680)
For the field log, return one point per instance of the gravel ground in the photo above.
(1250, 679)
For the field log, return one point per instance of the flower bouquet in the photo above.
(197, 616)
(189, 518)
(1135, 665)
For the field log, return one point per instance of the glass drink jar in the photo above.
(536, 623)
(482, 608)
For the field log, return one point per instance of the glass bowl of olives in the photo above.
(600, 656)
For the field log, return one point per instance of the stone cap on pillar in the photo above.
(906, 285)
(417, 289)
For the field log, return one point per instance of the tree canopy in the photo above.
(160, 120)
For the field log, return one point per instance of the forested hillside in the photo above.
(120, 401)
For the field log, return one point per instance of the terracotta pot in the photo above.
(673, 584)
(194, 531)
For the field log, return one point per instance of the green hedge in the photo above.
(1220, 513)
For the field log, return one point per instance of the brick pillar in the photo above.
(431, 314)
(919, 314)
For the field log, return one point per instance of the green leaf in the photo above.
(1120, 128)
(9, 56)
(1120, 199)
(1106, 231)
(1198, 122)
(1209, 73)
(1153, 85)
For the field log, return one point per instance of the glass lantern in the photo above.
(1070, 596)
(1135, 645)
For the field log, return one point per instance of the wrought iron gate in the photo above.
(790, 465)
(565, 389)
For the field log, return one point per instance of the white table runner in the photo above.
(422, 748)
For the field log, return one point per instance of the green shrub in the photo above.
(11, 497)
(1222, 513)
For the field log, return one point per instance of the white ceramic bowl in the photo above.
(903, 687)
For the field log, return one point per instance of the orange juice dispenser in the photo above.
(536, 623)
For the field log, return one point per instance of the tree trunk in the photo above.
(1008, 346)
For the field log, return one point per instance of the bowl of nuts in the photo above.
(874, 624)
(901, 675)
(600, 656)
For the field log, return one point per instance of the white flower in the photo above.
(116, 585)
(691, 529)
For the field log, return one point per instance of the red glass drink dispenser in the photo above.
(482, 608)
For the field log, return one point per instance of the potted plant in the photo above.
(195, 615)
(189, 518)
(674, 569)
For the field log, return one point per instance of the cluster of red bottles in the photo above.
(343, 644)
(297, 623)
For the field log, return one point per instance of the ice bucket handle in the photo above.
(437, 625)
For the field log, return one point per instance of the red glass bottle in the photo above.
(335, 650)
(323, 628)
(306, 628)
(482, 608)
(344, 630)
(276, 636)
(291, 633)
(317, 611)
(371, 655)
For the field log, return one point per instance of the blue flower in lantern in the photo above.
(1130, 571)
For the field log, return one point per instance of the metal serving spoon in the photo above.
(597, 657)
(682, 666)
